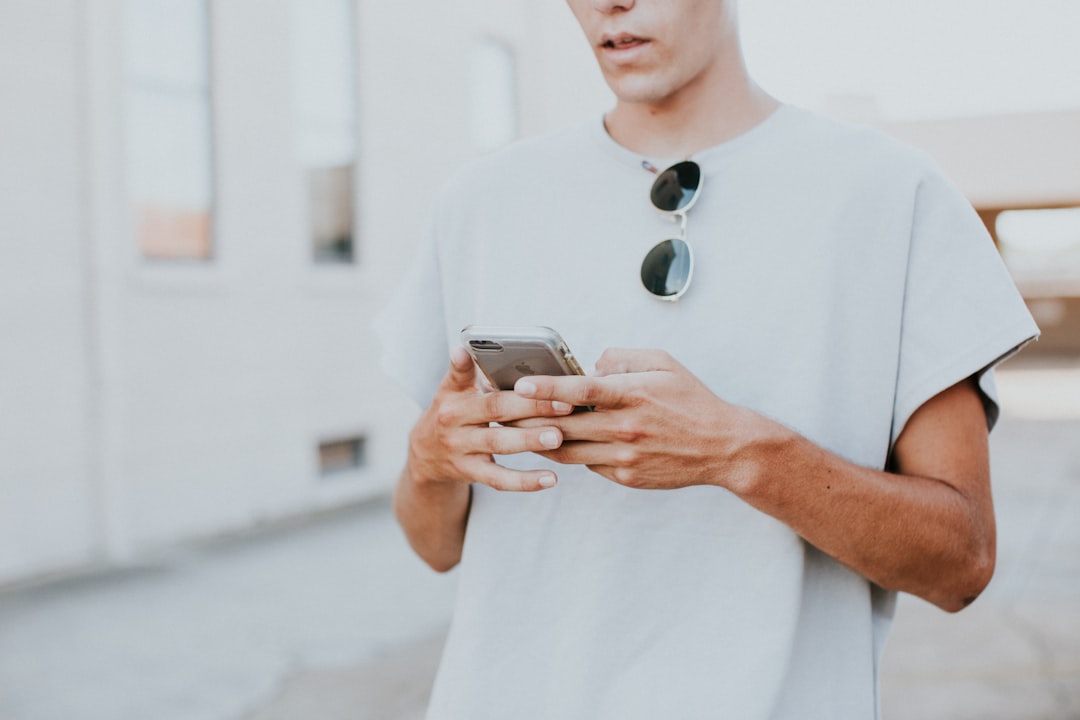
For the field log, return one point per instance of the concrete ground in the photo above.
(334, 618)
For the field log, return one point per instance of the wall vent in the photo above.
(341, 455)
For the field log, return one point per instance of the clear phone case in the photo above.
(506, 354)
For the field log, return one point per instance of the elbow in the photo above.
(435, 554)
(970, 566)
(432, 527)
(441, 564)
(972, 577)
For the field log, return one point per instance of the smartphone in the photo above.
(506, 354)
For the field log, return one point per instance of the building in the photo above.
(202, 204)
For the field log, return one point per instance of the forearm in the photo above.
(433, 515)
(904, 532)
(927, 529)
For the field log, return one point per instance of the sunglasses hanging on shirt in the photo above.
(667, 268)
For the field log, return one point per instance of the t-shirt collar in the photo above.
(706, 158)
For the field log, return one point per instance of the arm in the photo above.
(926, 529)
(451, 446)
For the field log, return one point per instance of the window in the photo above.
(494, 95)
(169, 152)
(324, 92)
(1042, 245)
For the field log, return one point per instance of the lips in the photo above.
(622, 41)
(623, 49)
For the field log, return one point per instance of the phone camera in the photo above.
(486, 345)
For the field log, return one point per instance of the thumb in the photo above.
(462, 372)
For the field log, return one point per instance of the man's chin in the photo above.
(638, 88)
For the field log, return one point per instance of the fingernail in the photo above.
(549, 439)
(561, 406)
(525, 387)
(547, 481)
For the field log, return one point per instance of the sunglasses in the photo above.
(668, 267)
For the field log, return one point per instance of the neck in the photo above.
(720, 104)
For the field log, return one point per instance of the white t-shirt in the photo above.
(840, 282)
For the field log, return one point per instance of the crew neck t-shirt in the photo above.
(840, 282)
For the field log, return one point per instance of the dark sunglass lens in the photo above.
(675, 187)
(666, 268)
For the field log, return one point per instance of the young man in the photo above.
(801, 435)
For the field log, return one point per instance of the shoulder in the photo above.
(853, 160)
(854, 139)
(857, 152)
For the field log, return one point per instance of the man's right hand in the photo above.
(452, 446)
(454, 439)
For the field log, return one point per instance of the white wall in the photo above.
(143, 404)
(46, 495)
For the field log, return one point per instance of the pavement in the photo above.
(334, 618)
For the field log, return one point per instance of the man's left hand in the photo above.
(654, 424)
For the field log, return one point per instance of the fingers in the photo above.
(510, 440)
(574, 390)
(505, 407)
(615, 361)
(466, 455)
(456, 441)
(593, 453)
(597, 390)
(486, 442)
(507, 480)
(487, 405)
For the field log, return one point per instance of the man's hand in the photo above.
(451, 447)
(454, 441)
(926, 528)
(654, 424)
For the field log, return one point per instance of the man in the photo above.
(801, 435)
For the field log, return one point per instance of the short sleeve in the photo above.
(962, 313)
(411, 327)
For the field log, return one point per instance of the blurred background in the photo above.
(204, 202)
